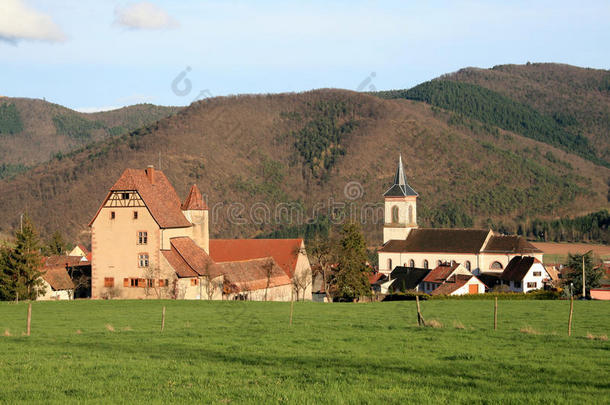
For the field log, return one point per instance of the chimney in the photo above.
(150, 173)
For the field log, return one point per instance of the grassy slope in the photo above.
(223, 144)
(40, 138)
(240, 352)
(578, 97)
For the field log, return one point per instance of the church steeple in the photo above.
(400, 207)
(400, 188)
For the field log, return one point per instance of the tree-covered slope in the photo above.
(32, 131)
(271, 162)
(490, 107)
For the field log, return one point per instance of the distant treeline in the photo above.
(593, 227)
(493, 108)
(10, 120)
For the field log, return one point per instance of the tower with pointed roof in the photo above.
(196, 211)
(400, 207)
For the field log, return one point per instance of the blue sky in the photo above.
(99, 54)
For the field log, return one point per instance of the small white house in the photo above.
(525, 273)
(57, 282)
(460, 284)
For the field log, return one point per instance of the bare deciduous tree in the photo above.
(268, 267)
(323, 255)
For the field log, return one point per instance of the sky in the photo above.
(92, 55)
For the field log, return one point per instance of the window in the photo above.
(142, 238)
(194, 281)
(517, 284)
(496, 266)
(532, 284)
(538, 274)
(394, 214)
(467, 265)
(125, 196)
(108, 282)
(150, 282)
(425, 264)
(135, 215)
(390, 264)
(411, 263)
(112, 215)
(143, 260)
(133, 282)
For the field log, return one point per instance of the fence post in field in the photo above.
(570, 318)
(420, 318)
(291, 305)
(163, 319)
(29, 321)
(496, 313)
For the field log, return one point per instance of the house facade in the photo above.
(146, 243)
(524, 274)
(405, 244)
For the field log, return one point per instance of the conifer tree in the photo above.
(21, 265)
(593, 275)
(351, 275)
(57, 245)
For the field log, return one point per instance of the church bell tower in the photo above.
(400, 207)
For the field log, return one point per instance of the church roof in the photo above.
(510, 244)
(439, 240)
(400, 188)
(194, 201)
(157, 193)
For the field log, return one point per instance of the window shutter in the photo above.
(142, 282)
(125, 282)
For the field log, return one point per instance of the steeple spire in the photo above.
(400, 188)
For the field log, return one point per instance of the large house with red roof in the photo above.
(147, 243)
(405, 244)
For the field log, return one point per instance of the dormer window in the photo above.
(125, 196)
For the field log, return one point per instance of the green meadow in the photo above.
(246, 352)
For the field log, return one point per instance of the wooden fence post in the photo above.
(163, 319)
(29, 322)
(496, 313)
(570, 318)
(420, 318)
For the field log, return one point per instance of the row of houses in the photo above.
(522, 274)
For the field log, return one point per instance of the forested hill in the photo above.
(32, 130)
(562, 105)
(302, 150)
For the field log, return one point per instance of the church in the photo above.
(406, 244)
(147, 243)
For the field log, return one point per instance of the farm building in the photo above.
(525, 273)
(405, 244)
(146, 243)
(57, 283)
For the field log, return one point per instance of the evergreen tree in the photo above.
(57, 245)
(593, 275)
(21, 265)
(351, 277)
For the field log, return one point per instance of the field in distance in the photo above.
(245, 352)
(558, 252)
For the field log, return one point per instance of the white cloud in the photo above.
(18, 22)
(143, 15)
(96, 109)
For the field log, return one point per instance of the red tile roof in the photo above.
(284, 251)
(375, 277)
(452, 285)
(57, 277)
(254, 274)
(440, 273)
(188, 259)
(65, 261)
(160, 197)
(194, 201)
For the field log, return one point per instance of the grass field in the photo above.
(245, 352)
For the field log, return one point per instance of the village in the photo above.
(148, 244)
